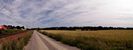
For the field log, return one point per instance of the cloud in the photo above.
(46, 13)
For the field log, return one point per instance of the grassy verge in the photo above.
(5, 33)
(9, 31)
(15, 42)
(95, 40)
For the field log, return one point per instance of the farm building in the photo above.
(2, 27)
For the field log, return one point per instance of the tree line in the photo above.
(14, 27)
(84, 28)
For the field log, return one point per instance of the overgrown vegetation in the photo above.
(15, 42)
(8, 32)
(94, 40)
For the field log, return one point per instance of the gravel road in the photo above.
(39, 41)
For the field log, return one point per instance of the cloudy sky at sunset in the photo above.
(49, 13)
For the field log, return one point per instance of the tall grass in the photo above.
(10, 31)
(15, 42)
(95, 40)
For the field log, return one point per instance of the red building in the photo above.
(2, 27)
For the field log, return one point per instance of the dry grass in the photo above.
(95, 40)
(15, 42)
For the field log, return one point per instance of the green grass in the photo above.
(8, 32)
(94, 40)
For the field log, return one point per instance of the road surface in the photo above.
(39, 41)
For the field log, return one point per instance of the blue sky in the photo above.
(50, 13)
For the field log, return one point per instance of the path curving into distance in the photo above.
(39, 41)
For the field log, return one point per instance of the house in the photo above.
(2, 27)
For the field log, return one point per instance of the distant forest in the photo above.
(84, 28)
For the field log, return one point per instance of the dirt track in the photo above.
(39, 41)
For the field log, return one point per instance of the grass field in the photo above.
(16, 41)
(94, 40)
(8, 32)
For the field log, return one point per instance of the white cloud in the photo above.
(43, 13)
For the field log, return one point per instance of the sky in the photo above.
(52, 13)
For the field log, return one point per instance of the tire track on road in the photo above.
(39, 41)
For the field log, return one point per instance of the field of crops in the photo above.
(94, 40)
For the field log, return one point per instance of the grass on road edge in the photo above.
(16, 42)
